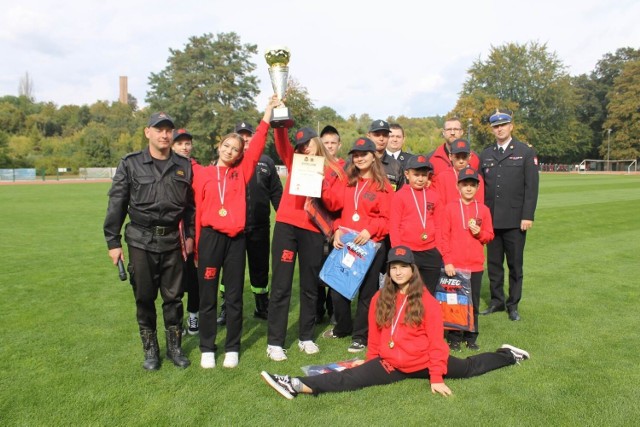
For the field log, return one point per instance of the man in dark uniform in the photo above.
(379, 133)
(510, 171)
(264, 190)
(396, 144)
(154, 187)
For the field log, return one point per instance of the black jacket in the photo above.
(265, 187)
(510, 183)
(151, 199)
(394, 170)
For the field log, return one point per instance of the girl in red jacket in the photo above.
(466, 228)
(364, 200)
(294, 233)
(219, 192)
(405, 341)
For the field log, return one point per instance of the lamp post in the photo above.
(608, 149)
(469, 130)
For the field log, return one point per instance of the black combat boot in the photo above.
(174, 347)
(151, 350)
(262, 306)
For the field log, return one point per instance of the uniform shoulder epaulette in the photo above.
(135, 153)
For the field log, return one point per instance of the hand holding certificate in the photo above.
(307, 173)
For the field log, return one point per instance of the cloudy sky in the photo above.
(384, 58)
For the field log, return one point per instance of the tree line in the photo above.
(210, 85)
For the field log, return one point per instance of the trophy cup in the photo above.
(278, 60)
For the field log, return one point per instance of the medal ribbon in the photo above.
(224, 186)
(399, 312)
(423, 220)
(357, 194)
(464, 223)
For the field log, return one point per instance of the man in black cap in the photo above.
(510, 171)
(264, 188)
(379, 133)
(154, 187)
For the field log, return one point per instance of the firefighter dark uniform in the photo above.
(394, 171)
(264, 190)
(511, 193)
(156, 202)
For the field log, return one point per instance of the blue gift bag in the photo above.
(345, 268)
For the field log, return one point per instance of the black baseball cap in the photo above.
(400, 254)
(329, 129)
(468, 173)
(460, 146)
(244, 126)
(177, 133)
(157, 118)
(377, 125)
(363, 144)
(418, 161)
(304, 135)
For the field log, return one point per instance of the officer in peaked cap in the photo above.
(510, 171)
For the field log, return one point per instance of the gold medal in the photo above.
(355, 217)
(222, 212)
(391, 344)
(424, 236)
(472, 222)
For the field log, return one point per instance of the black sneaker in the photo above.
(518, 354)
(356, 347)
(193, 325)
(280, 383)
(454, 346)
(222, 319)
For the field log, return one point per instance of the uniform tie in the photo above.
(500, 150)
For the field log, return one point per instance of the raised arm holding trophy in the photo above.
(278, 60)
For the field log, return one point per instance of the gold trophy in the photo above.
(278, 60)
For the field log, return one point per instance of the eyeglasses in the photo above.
(453, 129)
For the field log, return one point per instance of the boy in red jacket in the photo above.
(446, 181)
(415, 222)
(466, 228)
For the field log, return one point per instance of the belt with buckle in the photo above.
(159, 230)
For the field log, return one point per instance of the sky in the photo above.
(382, 58)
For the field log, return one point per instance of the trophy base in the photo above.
(280, 118)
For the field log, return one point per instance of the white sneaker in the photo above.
(208, 360)
(230, 359)
(276, 353)
(308, 347)
(518, 354)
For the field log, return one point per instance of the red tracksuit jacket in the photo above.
(446, 184)
(207, 189)
(415, 348)
(405, 227)
(459, 247)
(373, 206)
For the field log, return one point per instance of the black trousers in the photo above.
(190, 284)
(258, 246)
(150, 272)
(217, 251)
(429, 263)
(258, 242)
(509, 242)
(359, 326)
(288, 242)
(379, 372)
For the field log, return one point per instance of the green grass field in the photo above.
(70, 352)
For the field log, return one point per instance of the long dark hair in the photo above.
(386, 305)
(379, 177)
